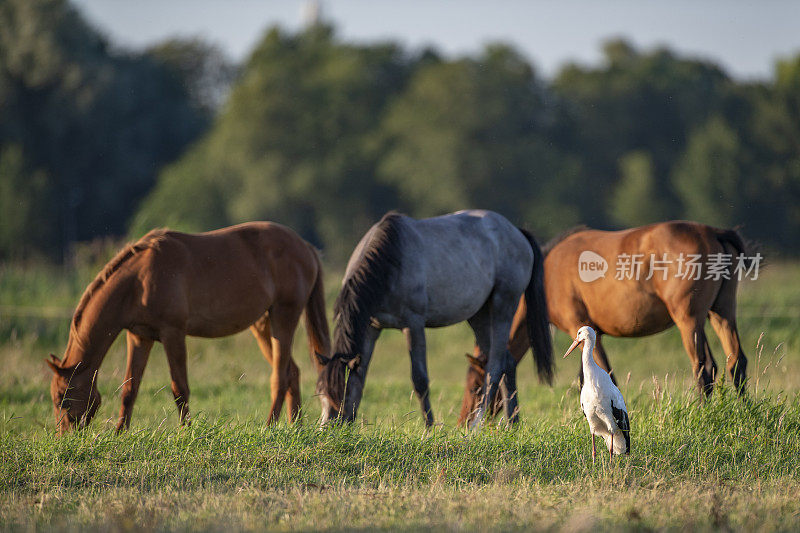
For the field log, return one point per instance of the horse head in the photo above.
(474, 389)
(339, 386)
(73, 390)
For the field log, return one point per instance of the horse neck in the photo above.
(350, 332)
(99, 326)
(347, 344)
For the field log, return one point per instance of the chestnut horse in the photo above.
(658, 297)
(168, 285)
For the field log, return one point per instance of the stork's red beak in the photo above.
(575, 344)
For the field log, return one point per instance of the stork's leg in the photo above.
(594, 450)
(611, 452)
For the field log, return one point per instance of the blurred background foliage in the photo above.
(325, 136)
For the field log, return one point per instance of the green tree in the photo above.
(295, 143)
(25, 223)
(474, 133)
(773, 140)
(199, 67)
(636, 201)
(98, 122)
(637, 102)
(708, 176)
(191, 195)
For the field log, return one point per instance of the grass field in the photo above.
(730, 463)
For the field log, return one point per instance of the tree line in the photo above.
(325, 136)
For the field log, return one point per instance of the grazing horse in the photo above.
(168, 285)
(411, 274)
(666, 291)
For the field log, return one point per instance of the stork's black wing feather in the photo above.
(621, 417)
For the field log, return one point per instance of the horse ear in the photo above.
(322, 359)
(477, 362)
(57, 366)
(353, 363)
(54, 367)
(54, 363)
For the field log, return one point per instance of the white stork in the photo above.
(601, 400)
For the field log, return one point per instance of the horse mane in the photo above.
(561, 236)
(367, 284)
(151, 240)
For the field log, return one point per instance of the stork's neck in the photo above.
(590, 368)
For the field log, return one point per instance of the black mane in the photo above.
(365, 288)
(561, 236)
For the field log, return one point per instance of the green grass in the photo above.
(729, 463)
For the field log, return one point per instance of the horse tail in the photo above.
(536, 319)
(319, 337)
(732, 237)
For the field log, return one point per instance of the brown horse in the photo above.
(640, 303)
(168, 285)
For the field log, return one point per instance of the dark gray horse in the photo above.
(411, 274)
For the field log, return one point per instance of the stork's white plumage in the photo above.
(601, 400)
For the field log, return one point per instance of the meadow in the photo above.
(730, 463)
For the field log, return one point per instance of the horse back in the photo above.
(220, 282)
(459, 259)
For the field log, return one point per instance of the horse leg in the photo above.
(263, 333)
(696, 345)
(481, 325)
(518, 341)
(415, 336)
(509, 389)
(354, 390)
(138, 354)
(736, 362)
(723, 319)
(518, 344)
(499, 368)
(174, 342)
(284, 382)
(293, 400)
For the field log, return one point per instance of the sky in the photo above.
(744, 37)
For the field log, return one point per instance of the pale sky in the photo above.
(744, 37)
